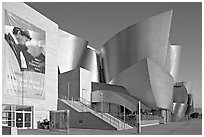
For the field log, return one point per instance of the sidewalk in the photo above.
(191, 127)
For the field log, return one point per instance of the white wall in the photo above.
(41, 106)
(85, 86)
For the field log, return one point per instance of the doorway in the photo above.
(23, 119)
(17, 116)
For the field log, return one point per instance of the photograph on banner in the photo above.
(25, 56)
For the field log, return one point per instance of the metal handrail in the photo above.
(104, 116)
(109, 116)
(84, 105)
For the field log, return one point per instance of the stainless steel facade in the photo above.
(140, 59)
(147, 82)
(91, 62)
(174, 54)
(115, 98)
(107, 93)
(74, 52)
(71, 51)
(188, 86)
(136, 59)
(182, 101)
(190, 107)
(146, 39)
(179, 110)
(180, 93)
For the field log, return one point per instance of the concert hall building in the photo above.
(45, 68)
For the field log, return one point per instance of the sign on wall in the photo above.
(25, 57)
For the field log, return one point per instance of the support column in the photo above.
(168, 116)
(139, 117)
(164, 115)
(68, 125)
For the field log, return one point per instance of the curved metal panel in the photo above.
(149, 83)
(113, 97)
(180, 93)
(118, 93)
(71, 51)
(146, 39)
(91, 62)
(189, 87)
(174, 60)
(108, 87)
(190, 100)
(189, 104)
(179, 110)
(136, 81)
(162, 85)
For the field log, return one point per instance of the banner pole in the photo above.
(22, 88)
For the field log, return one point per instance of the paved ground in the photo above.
(191, 127)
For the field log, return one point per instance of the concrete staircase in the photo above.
(80, 107)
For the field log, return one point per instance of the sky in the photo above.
(98, 22)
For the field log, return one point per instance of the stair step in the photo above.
(79, 107)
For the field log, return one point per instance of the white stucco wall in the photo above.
(41, 106)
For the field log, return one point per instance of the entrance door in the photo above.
(23, 119)
(27, 117)
(19, 120)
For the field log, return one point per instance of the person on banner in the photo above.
(35, 58)
(17, 41)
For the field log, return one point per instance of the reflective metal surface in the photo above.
(179, 110)
(114, 97)
(180, 94)
(91, 62)
(71, 51)
(174, 60)
(190, 100)
(146, 39)
(149, 83)
(189, 87)
(102, 92)
(190, 107)
(182, 101)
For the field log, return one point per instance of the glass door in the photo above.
(27, 117)
(17, 116)
(19, 120)
(23, 119)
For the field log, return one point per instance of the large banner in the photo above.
(25, 57)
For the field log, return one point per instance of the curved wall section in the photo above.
(71, 51)
(115, 98)
(146, 39)
(180, 93)
(189, 87)
(162, 85)
(179, 110)
(190, 100)
(102, 92)
(137, 83)
(174, 60)
(148, 83)
(91, 62)
(190, 107)
(109, 87)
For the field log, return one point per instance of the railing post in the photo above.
(124, 114)
(139, 118)
(68, 122)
